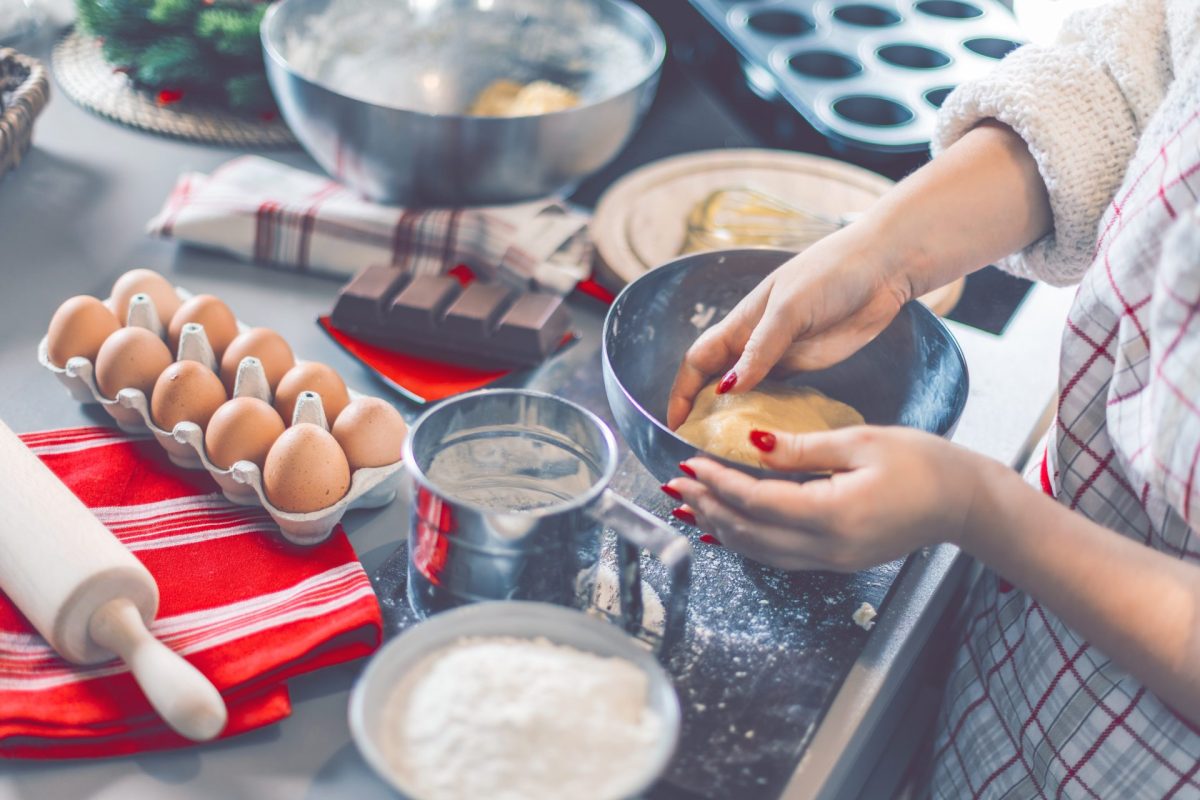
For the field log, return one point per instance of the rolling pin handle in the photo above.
(179, 692)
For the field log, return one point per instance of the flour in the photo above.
(703, 316)
(517, 719)
(864, 617)
(599, 590)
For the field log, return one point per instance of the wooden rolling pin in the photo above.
(87, 594)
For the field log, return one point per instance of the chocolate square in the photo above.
(534, 325)
(364, 300)
(420, 305)
(475, 314)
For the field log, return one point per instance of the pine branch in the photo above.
(173, 13)
(249, 92)
(231, 32)
(172, 62)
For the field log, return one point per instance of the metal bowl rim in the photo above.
(658, 681)
(767, 474)
(581, 501)
(654, 67)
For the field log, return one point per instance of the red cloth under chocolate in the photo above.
(246, 608)
(424, 380)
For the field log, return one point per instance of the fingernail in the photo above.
(708, 538)
(684, 516)
(727, 383)
(763, 440)
(686, 470)
(669, 492)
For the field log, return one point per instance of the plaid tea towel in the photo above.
(248, 610)
(275, 215)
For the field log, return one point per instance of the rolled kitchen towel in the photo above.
(247, 609)
(276, 215)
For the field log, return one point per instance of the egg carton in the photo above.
(242, 483)
(871, 73)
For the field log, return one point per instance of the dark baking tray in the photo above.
(870, 73)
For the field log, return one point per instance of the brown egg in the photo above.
(78, 328)
(305, 470)
(242, 430)
(264, 344)
(149, 282)
(132, 358)
(311, 376)
(371, 433)
(220, 325)
(186, 391)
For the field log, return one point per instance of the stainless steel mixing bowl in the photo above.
(912, 374)
(376, 91)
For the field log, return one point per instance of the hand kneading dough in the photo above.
(721, 423)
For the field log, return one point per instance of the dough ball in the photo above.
(721, 423)
(505, 98)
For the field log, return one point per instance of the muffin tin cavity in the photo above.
(867, 109)
(824, 64)
(935, 97)
(868, 73)
(913, 56)
(950, 9)
(779, 23)
(991, 47)
(866, 16)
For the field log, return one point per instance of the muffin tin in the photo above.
(370, 487)
(871, 73)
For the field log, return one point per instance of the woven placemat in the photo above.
(92, 82)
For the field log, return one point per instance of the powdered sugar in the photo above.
(517, 719)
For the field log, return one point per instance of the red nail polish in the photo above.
(708, 538)
(686, 470)
(727, 383)
(686, 517)
(669, 492)
(762, 440)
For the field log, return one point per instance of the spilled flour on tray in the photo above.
(864, 616)
(599, 591)
(518, 719)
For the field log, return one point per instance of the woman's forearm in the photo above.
(1138, 606)
(980, 200)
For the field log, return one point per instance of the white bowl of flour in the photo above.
(515, 701)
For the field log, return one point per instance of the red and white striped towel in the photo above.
(272, 214)
(247, 609)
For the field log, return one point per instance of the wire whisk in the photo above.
(744, 217)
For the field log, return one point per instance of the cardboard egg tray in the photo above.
(871, 73)
(370, 487)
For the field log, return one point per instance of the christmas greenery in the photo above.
(202, 49)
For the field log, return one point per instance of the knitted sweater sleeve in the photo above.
(1080, 105)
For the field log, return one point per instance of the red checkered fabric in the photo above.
(1031, 708)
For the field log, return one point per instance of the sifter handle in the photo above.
(179, 692)
(639, 530)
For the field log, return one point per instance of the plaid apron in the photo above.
(1031, 708)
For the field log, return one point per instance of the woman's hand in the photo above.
(980, 200)
(815, 310)
(892, 491)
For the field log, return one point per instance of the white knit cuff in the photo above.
(1080, 132)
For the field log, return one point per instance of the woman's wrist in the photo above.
(870, 245)
(996, 491)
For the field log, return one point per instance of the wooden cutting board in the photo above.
(641, 221)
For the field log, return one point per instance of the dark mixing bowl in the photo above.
(912, 374)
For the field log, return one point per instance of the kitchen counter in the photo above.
(71, 220)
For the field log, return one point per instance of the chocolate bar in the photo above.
(435, 316)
